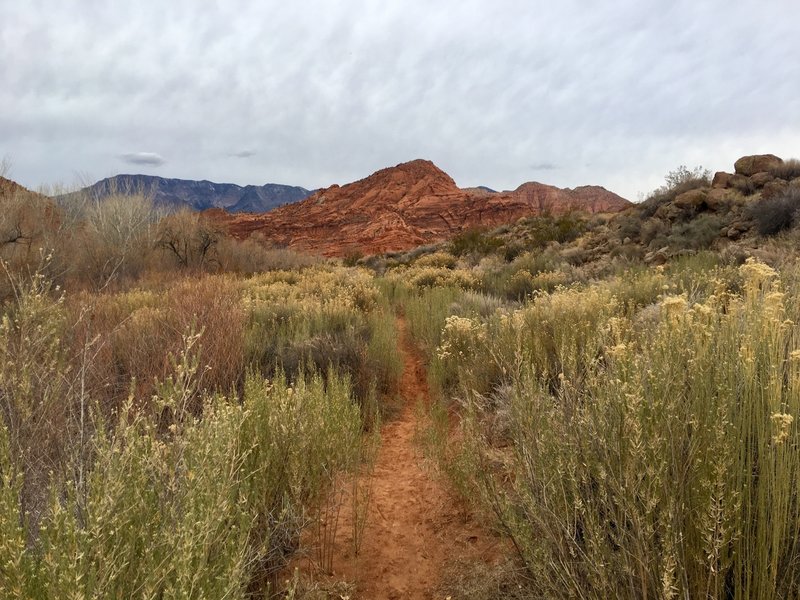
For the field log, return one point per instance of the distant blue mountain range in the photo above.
(198, 195)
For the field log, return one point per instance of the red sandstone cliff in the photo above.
(404, 206)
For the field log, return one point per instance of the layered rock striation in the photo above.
(405, 206)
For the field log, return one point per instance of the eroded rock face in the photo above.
(405, 206)
(757, 163)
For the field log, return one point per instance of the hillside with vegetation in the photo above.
(567, 404)
(401, 207)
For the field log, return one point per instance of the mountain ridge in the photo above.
(412, 203)
(197, 194)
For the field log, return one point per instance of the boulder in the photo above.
(721, 179)
(717, 198)
(657, 257)
(693, 199)
(736, 229)
(668, 211)
(757, 163)
(761, 179)
(733, 233)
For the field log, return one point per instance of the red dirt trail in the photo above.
(415, 527)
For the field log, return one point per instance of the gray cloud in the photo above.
(243, 154)
(544, 166)
(143, 158)
(615, 94)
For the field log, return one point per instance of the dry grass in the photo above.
(466, 580)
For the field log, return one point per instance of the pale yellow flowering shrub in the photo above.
(652, 457)
(437, 259)
(435, 276)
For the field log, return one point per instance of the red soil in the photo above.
(415, 527)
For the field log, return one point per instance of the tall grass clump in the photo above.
(650, 452)
(178, 506)
(320, 318)
(192, 486)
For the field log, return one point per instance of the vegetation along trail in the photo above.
(415, 526)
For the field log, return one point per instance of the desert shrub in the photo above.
(426, 310)
(475, 241)
(462, 339)
(537, 262)
(319, 318)
(512, 250)
(438, 259)
(653, 230)
(577, 255)
(628, 224)
(677, 182)
(788, 170)
(413, 254)
(699, 233)
(772, 215)
(528, 273)
(31, 237)
(251, 256)
(538, 232)
(207, 507)
(521, 284)
(280, 321)
(212, 306)
(136, 331)
(352, 258)
(37, 390)
(422, 276)
(744, 185)
(651, 452)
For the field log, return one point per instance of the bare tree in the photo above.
(24, 219)
(190, 239)
(119, 231)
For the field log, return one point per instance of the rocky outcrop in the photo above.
(755, 175)
(405, 206)
(757, 163)
(707, 215)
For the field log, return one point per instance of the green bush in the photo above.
(475, 241)
(775, 214)
(698, 234)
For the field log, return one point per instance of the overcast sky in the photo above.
(495, 92)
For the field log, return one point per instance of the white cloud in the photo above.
(615, 94)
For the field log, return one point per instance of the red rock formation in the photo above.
(404, 206)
